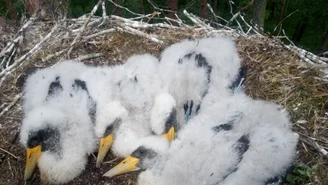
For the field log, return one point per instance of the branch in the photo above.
(247, 6)
(6, 151)
(13, 102)
(316, 146)
(197, 21)
(214, 15)
(284, 20)
(138, 24)
(29, 54)
(142, 34)
(90, 56)
(79, 34)
(99, 33)
(124, 8)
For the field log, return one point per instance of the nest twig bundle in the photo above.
(282, 73)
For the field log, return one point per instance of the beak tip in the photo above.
(100, 159)
(108, 174)
(26, 177)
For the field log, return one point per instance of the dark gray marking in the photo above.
(48, 138)
(191, 105)
(143, 153)
(80, 84)
(92, 104)
(185, 107)
(187, 56)
(110, 129)
(229, 125)
(241, 147)
(241, 78)
(171, 121)
(202, 63)
(54, 88)
(197, 109)
(223, 127)
(272, 181)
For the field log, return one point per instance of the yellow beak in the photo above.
(170, 135)
(32, 156)
(127, 165)
(104, 146)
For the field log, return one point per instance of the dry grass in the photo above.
(275, 74)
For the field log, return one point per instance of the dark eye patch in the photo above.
(171, 121)
(142, 153)
(110, 128)
(33, 141)
(48, 138)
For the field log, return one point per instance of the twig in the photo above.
(138, 24)
(99, 33)
(103, 6)
(104, 15)
(25, 57)
(10, 168)
(6, 151)
(233, 18)
(142, 34)
(113, 160)
(247, 6)
(90, 56)
(47, 58)
(214, 15)
(79, 34)
(178, 21)
(197, 21)
(284, 20)
(124, 8)
(14, 101)
(286, 37)
(316, 146)
(18, 36)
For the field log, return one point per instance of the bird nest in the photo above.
(281, 73)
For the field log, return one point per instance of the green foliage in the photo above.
(79, 8)
(313, 14)
(17, 5)
(299, 174)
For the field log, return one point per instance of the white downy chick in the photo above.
(195, 74)
(58, 135)
(234, 141)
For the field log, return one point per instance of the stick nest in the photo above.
(276, 73)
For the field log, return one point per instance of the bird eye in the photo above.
(109, 130)
(142, 151)
(139, 152)
(33, 141)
